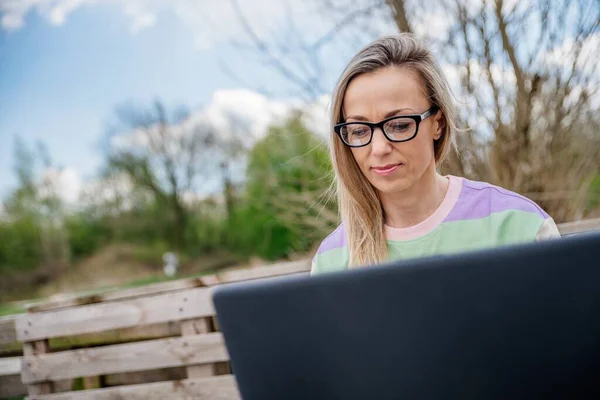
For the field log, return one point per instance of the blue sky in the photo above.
(66, 64)
(60, 83)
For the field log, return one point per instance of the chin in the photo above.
(395, 186)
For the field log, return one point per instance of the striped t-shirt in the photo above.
(473, 215)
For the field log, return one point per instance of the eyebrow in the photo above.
(388, 115)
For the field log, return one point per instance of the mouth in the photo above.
(386, 169)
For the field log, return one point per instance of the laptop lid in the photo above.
(513, 322)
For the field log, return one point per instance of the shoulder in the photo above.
(480, 199)
(332, 254)
(510, 212)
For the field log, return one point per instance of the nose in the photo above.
(379, 144)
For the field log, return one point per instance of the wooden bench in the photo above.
(10, 359)
(197, 350)
(127, 325)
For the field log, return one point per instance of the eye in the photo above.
(358, 131)
(399, 126)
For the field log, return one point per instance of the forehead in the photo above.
(376, 93)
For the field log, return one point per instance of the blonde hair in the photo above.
(358, 201)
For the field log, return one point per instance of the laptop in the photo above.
(517, 322)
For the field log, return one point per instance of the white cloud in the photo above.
(66, 183)
(140, 16)
(12, 21)
(232, 110)
(242, 114)
(55, 11)
(207, 20)
(59, 12)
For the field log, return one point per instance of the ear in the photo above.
(440, 125)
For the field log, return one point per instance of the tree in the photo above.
(167, 155)
(34, 227)
(525, 71)
(286, 205)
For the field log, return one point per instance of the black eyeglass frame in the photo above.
(417, 117)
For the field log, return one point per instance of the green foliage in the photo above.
(594, 194)
(19, 244)
(86, 234)
(206, 229)
(276, 213)
(288, 173)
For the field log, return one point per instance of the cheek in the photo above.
(361, 156)
(421, 149)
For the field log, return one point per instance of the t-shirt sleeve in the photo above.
(548, 230)
(313, 266)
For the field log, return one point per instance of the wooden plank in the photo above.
(264, 271)
(81, 300)
(11, 386)
(196, 327)
(186, 304)
(214, 388)
(8, 333)
(10, 366)
(138, 356)
(230, 275)
(30, 350)
(570, 228)
(133, 334)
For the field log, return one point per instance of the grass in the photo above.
(11, 309)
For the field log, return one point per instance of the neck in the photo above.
(415, 204)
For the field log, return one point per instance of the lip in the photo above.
(386, 169)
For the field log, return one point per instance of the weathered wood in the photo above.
(587, 225)
(214, 388)
(31, 350)
(10, 366)
(11, 386)
(10, 377)
(8, 333)
(147, 355)
(196, 327)
(264, 271)
(186, 304)
(229, 275)
(129, 293)
(133, 334)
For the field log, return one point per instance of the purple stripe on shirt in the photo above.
(337, 239)
(479, 200)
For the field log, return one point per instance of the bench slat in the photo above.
(10, 366)
(8, 333)
(175, 306)
(214, 388)
(228, 275)
(138, 356)
(586, 225)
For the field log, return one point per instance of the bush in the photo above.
(19, 245)
(288, 172)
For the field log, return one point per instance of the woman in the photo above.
(393, 125)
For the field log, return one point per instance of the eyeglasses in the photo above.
(401, 128)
